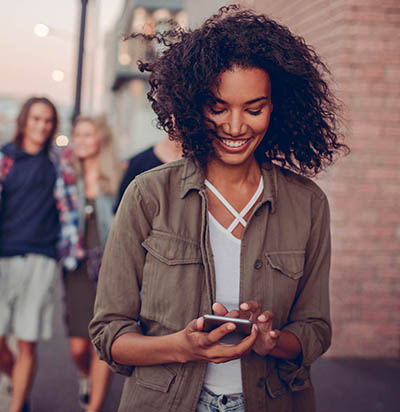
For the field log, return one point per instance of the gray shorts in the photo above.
(27, 286)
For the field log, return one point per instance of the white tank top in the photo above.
(226, 378)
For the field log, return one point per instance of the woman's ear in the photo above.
(173, 120)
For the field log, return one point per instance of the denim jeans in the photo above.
(210, 402)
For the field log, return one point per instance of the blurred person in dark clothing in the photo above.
(163, 152)
(38, 226)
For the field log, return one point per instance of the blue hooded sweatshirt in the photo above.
(28, 215)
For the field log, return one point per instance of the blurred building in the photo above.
(359, 40)
(9, 108)
(129, 112)
(199, 11)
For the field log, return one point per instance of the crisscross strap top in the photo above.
(239, 216)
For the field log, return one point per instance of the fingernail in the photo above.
(230, 326)
(262, 318)
(244, 306)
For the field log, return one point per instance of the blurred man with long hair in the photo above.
(38, 226)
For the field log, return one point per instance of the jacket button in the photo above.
(258, 264)
(261, 383)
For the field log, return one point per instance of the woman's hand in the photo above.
(267, 338)
(196, 345)
(191, 344)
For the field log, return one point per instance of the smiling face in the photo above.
(241, 113)
(39, 124)
(86, 140)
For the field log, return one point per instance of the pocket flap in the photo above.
(289, 263)
(158, 377)
(171, 249)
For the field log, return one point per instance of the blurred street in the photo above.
(342, 385)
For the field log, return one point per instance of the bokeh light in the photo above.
(124, 59)
(41, 30)
(62, 140)
(58, 75)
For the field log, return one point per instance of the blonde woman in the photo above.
(99, 173)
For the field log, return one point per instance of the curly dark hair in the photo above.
(303, 134)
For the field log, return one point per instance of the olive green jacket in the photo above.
(158, 274)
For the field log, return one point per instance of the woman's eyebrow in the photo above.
(256, 100)
(248, 102)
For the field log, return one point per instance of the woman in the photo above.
(99, 172)
(229, 229)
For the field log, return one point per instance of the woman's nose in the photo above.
(234, 125)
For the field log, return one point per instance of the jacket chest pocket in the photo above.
(285, 269)
(172, 280)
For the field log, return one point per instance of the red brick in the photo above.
(379, 231)
(386, 174)
(392, 73)
(391, 4)
(393, 17)
(384, 116)
(372, 3)
(368, 15)
(391, 132)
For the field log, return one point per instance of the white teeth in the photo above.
(234, 143)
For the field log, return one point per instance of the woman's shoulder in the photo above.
(167, 174)
(296, 182)
(166, 169)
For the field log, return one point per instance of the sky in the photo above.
(27, 61)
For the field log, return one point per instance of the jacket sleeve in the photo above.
(310, 315)
(117, 303)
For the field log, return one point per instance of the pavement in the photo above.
(341, 385)
(357, 385)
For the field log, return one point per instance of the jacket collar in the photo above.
(193, 179)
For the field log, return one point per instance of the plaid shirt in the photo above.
(69, 246)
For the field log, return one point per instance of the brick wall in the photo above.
(360, 41)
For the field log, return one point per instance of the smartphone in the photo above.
(243, 327)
